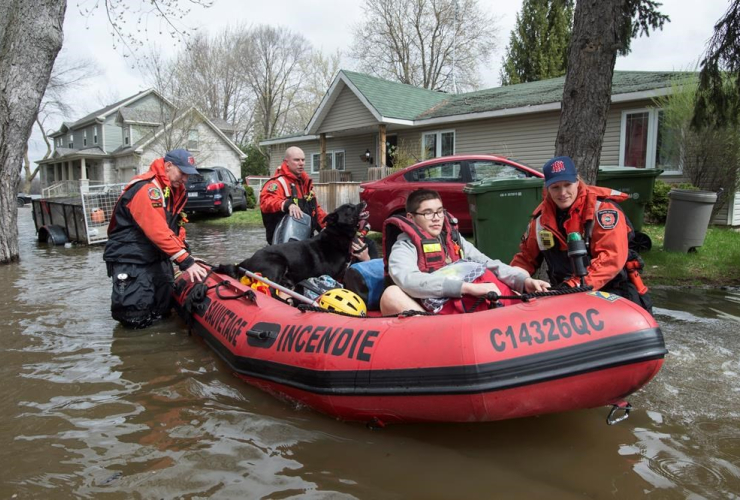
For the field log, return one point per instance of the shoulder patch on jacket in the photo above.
(607, 219)
(155, 193)
(272, 187)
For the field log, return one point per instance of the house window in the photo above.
(339, 160)
(84, 137)
(645, 141)
(438, 143)
(192, 140)
(95, 135)
(334, 160)
(71, 141)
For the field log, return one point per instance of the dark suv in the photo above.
(215, 190)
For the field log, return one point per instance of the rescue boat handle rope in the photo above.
(492, 296)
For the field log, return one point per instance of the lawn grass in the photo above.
(249, 217)
(715, 263)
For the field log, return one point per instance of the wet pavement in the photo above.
(91, 410)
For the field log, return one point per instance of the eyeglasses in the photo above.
(430, 215)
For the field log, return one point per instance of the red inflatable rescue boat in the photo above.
(550, 354)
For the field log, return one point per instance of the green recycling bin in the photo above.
(636, 182)
(500, 210)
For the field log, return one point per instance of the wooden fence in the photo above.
(377, 173)
(334, 176)
(330, 195)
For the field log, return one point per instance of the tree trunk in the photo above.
(588, 83)
(30, 38)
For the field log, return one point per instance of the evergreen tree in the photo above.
(538, 46)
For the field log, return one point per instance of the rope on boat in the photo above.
(248, 293)
(494, 298)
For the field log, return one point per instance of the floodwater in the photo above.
(91, 410)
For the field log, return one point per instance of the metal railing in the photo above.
(69, 188)
(97, 205)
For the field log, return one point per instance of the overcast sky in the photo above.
(328, 25)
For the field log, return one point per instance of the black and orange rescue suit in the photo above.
(283, 189)
(595, 214)
(412, 255)
(145, 238)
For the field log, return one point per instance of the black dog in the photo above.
(326, 253)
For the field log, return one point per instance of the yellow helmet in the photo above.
(343, 300)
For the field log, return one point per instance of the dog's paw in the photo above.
(227, 269)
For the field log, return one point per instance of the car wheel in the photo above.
(228, 208)
(20, 202)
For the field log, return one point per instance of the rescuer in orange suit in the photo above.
(146, 237)
(290, 191)
(572, 206)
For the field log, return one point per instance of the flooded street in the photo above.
(92, 410)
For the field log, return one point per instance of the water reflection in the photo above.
(93, 410)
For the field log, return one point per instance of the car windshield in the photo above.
(484, 169)
(208, 176)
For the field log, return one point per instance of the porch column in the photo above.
(70, 171)
(322, 151)
(84, 183)
(381, 153)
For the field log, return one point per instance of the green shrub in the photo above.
(657, 210)
(251, 198)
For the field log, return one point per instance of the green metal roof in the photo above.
(393, 99)
(541, 92)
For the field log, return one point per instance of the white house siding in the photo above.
(113, 134)
(123, 168)
(212, 151)
(735, 218)
(140, 131)
(150, 103)
(347, 113)
(729, 214)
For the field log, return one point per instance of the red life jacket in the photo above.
(432, 254)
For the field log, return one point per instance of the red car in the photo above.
(447, 175)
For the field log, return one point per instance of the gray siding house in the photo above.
(114, 143)
(363, 116)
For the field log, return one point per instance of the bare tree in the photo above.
(157, 18)
(319, 71)
(31, 34)
(207, 75)
(273, 72)
(601, 30)
(434, 44)
(30, 38)
(67, 75)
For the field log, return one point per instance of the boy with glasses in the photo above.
(427, 240)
